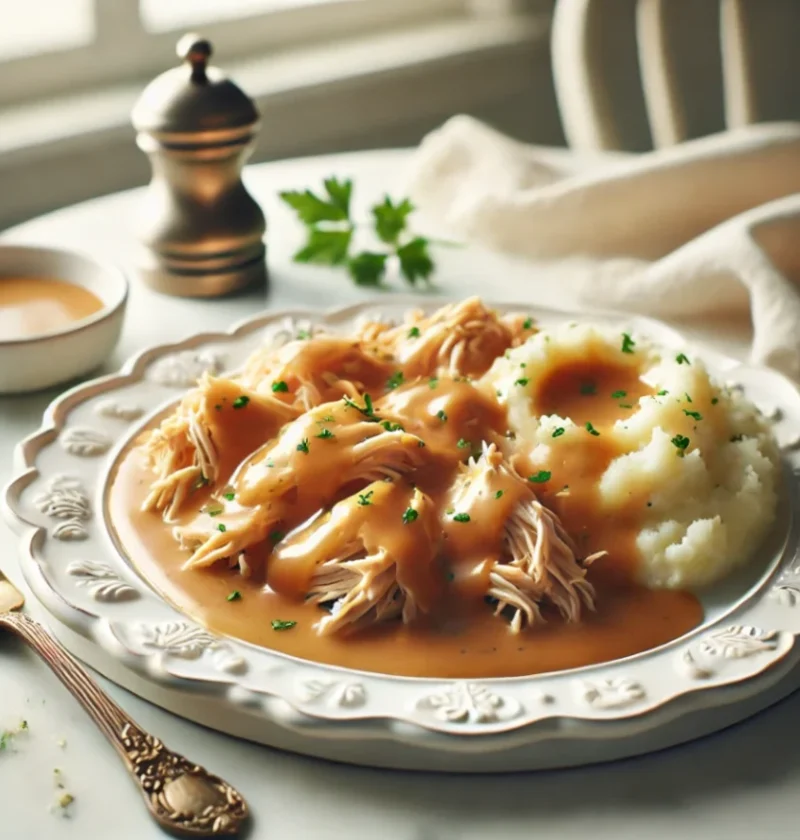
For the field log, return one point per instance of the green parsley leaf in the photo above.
(463, 444)
(413, 333)
(234, 596)
(312, 209)
(527, 324)
(680, 442)
(441, 415)
(221, 528)
(461, 517)
(540, 477)
(415, 261)
(592, 431)
(391, 219)
(279, 624)
(303, 446)
(390, 426)
(588, 389)
(714, 401)
(279, 387)
(681, 359)
(325, 247)
(627, 343)
(328, 418)
(364, 498)
(303, 335)
(625, 405)
(214, 511)
(688, 398)
(409, 515)
(433, 382)
(241, 402)
(498, 494)
(324, 434)
(367, 268)
(367, 410)
(523, 382)
(229, 496)
(737, 438)
(618, 395)
(696, 415)
(662, 393)
(276, 536)
(395, 380)
(559, 431)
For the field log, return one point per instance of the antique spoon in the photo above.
(184, 798)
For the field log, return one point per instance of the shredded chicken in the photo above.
(538, 564)
(281, 482)
(361, 552)
(182, 451)
(461, 339)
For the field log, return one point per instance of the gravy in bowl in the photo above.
(34, 306)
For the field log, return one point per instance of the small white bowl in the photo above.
(39, 361)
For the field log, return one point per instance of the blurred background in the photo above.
(335, 75)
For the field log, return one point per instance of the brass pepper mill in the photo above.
(202, 232)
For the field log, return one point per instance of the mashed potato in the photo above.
(697, 461)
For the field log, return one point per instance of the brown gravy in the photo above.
(31, 306)
(472, 643)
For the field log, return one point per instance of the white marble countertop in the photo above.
(741, 783)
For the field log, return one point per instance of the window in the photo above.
(55, 47)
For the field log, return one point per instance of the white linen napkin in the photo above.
(711, 226)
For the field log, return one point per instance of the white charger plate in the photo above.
(740, 660)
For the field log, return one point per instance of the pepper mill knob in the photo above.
(196, 51)
(202, 232)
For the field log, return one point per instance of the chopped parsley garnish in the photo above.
(276, 536)
(498, 494)
(303, 335)
(221, 528)
(303, 446)
(559, 431)
(279, 387)
(714, 401)
(421, 444)
(364, 498)
(395, 380)
(433, 382)
(328, 418)
(409, 515)
(592, 431)
(463, 444)
(413, 332)
(325, 433)
(527, 324)
(681, 359)
(737, 438)
(627, 343)
(461, 517)
(688, 398)
(680, 443)
(390, 426)
(662, 393)
(441, 415)
(241, 402)
(235, 596)
(279, 624)
(214, 511)
(540, 477)
(270, 463)
(618, 395)
(588, 389)
(229, 496)
(522, 381)
(367, 410)
(696, 415)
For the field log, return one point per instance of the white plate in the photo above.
(740, 660)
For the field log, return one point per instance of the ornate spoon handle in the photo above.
(183, 797)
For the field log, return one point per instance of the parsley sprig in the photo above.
(330, 229)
